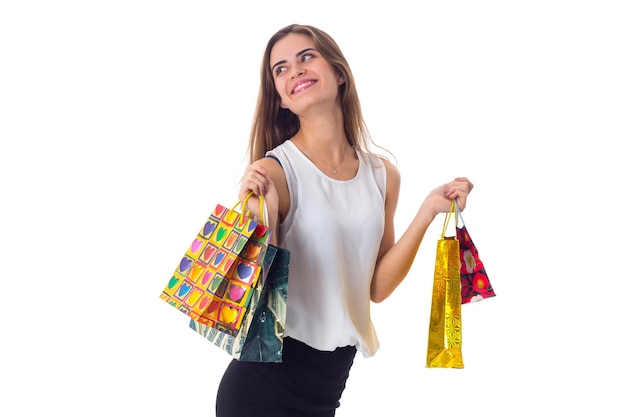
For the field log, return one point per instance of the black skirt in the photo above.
(308, 383)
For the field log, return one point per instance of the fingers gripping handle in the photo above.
(264, 219)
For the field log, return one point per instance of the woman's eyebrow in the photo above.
(302, 52)
(299, 54)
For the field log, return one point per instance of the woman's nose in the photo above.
(297, 73)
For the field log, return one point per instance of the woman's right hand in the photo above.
(257, 181)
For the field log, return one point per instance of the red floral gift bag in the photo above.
(475, 284)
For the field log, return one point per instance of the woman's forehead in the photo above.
(289, 46)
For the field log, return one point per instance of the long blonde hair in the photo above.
(273, 125)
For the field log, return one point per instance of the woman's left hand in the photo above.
(438, 200)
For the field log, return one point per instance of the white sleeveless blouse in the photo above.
(333, 231)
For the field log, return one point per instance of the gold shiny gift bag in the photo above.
(444, 332)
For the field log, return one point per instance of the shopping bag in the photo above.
(445, 331)
(475, 284)
(214, 279)
(260, 338)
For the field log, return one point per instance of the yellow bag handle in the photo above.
(454, 208)
(244, 208)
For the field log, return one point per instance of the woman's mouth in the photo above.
(302, 85)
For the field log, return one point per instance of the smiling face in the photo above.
(302, 77)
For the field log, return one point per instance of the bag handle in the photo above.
(454, 208)
(264, 216)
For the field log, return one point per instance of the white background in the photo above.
(116, 118)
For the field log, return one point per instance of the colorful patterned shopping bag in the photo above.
(260, 338)
(214, 279)
(475, 284)
(445, 331)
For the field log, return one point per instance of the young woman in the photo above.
(331, 203)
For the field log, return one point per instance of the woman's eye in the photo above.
(306, 57)
(279, 70)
